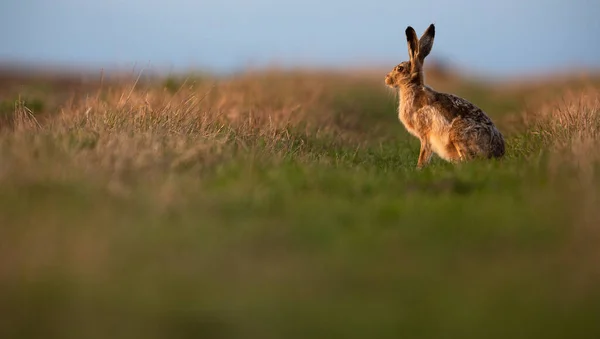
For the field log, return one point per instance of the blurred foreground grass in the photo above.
(286, 205)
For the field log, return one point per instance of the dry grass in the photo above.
(275, 204)
(139, 127)
(571, 127)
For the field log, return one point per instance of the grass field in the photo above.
(280, 204)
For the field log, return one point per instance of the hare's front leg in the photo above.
(424, 154)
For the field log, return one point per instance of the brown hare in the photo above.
(450, 126)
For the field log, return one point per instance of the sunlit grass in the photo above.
(287, 205)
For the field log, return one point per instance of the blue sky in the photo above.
(496, 37)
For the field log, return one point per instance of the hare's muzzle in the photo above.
(388, 80)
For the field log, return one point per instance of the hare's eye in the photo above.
(399, 68)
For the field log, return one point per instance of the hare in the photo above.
(453, 128)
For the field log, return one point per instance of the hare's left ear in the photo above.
(426, 42)
(413, 43)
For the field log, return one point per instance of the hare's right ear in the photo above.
(413, 43)
(426, 42)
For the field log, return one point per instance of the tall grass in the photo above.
(283, 205)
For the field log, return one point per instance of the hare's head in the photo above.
(411, 71)
(399, 75)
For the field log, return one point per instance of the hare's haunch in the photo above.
(447, 125)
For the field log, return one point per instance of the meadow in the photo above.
(287, 204)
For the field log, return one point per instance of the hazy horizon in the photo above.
(495, 38)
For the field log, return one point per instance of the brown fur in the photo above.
(447, 125)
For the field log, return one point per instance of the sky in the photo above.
(506, 37)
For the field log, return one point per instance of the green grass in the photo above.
(317, 233)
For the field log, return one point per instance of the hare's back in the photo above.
(451, 107)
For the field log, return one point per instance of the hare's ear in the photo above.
(426, 42)
(413, 43)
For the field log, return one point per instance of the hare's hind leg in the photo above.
(461, 151)
(461, 138)
(465, 152)
(454, 152)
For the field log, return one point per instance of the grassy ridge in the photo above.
(287, 205)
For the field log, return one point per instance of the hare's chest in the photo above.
(409, 122)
